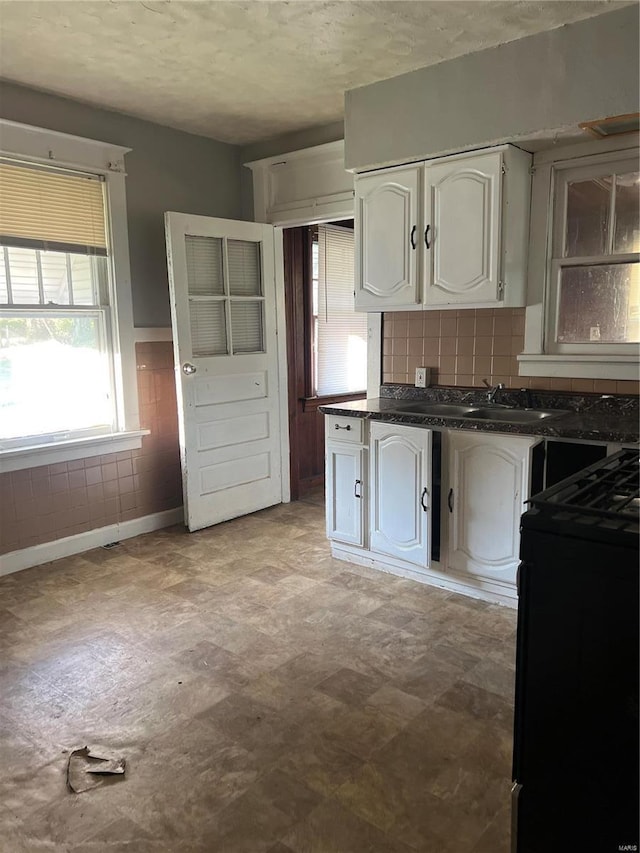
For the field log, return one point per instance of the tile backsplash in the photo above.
(463, 347)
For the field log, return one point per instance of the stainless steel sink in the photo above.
(514, 416)
(442, 410)
(500, 414)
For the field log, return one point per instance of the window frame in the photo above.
(540, 358)
(40, 146)
(312, 400)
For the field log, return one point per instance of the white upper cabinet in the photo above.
(462, 230)
(470, 229)
(387, 238)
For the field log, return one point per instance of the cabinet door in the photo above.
(387, 233)
(344, 492)
(489, 482)
(461, 243)
(400, 492)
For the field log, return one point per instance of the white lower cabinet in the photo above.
(344, 492)
(380, 500)
(400, 492)
(488, 479)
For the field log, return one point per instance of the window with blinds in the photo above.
(340, 352)
(226, 302)
(52, 210)
(56, 360)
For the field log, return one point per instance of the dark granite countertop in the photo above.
(588, 417)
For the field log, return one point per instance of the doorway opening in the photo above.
(326, 341)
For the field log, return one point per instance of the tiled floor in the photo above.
(266, 698)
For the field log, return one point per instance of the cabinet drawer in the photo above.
(344, 429)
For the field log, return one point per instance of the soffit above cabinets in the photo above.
(241, 72)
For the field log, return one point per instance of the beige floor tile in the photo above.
(267, 697)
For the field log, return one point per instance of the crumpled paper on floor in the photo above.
(86, 770)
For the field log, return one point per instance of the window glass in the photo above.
(341, 332)
(204, 266)
(588, 205)
(244, 268)
(55, 278)
(208, 328)
(54, 374)
(595, 282)
(23, 276)
(599, 304)
(247, 326)
(56, 359)
(627, 230)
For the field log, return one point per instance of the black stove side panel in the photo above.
(576, 716)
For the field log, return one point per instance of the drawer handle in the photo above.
(422, 497)
(356, 492)
(347, 427)
(412, 238)
(450, 500)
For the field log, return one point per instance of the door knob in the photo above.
(188, 368)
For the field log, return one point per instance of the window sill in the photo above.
(579, 366)
(18, 458)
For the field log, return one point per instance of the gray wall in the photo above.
(580, 72)
(166, 170)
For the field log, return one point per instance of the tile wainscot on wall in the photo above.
(53, 501)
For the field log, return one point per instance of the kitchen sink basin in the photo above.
(444, 410)
(514, 416)
(500, 414)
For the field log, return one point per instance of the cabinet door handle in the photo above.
(426, 237)
(356, 492)
(422, 497)
(412, 238)
(347, 427)
(450, 500)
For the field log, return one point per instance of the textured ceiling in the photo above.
(245, 71)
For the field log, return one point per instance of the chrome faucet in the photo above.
(493, 390)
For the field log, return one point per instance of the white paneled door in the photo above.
(223, 309)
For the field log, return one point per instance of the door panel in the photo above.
(462, 207)
(400, 487)
(222, 288)
(489, 478)
(344, 492)
(387, 235)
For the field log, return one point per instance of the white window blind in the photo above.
(341, 333)
(50, 209)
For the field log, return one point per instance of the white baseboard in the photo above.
(495, 593)
(15, 561)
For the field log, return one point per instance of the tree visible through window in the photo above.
(339, 347)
